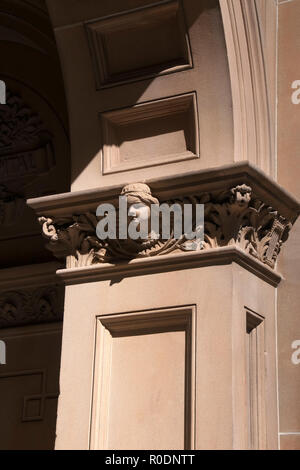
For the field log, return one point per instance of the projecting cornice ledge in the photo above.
(247, 219)
(167, 263)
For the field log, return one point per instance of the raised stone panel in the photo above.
(139, 43)
(156, 403)
(149, 134)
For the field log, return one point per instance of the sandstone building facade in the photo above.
(111, 346)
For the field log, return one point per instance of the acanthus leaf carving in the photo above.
(30, 306)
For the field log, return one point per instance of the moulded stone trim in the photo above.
(108, 329)
(103, 33)
(29, 275)
(207, 180)
(256, 347)
(251, 114)
(182, 107)
(172, 262)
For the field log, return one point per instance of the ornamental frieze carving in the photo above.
(31, 306)
(233, 217)
(25, 145)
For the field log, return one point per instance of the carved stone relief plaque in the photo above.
(26, 152)
(25, 144)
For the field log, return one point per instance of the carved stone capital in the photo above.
(234, 217)
(247, 218)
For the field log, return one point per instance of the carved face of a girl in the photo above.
(139, 218)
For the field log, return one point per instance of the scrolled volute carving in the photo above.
(234, 217)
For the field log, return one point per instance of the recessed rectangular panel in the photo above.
(151, 133)
(255, 350)
(146, 405)
(139, 44)
(29, 387)
(143, 389)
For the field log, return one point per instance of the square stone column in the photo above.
(166, 348)
(147, 365)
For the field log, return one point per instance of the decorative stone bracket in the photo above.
(235, 215)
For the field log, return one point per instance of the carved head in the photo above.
(138, 192)
(241, 195)
(139, 198)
